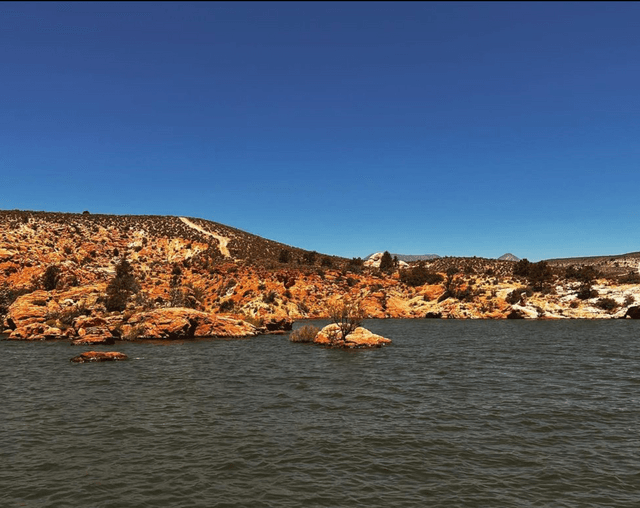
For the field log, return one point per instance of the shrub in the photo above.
(284, 256)
(270, 297)
(585, 291)
(305, 334)
(310, 257)
(608, 304)
(583, 273)
(418, 276)
(522, 268)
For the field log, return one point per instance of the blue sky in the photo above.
(459, 129)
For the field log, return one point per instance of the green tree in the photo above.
(386, 262)
(121, 287)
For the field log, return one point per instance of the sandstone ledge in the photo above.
(183, 323)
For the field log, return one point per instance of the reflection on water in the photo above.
(454, 413)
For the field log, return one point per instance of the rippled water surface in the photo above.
(454, 413)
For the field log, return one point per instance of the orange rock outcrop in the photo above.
(192, 285)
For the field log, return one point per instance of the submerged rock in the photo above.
(99, 356)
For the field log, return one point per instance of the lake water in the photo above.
(453, 413)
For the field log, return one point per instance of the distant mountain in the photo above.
(508, 257)
(408, 257)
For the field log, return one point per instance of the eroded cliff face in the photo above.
(225, 285)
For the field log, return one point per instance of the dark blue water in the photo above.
(454, 413)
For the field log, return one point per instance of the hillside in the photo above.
(57, 271)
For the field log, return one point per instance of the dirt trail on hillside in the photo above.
(222, 240)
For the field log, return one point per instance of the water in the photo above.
(454, 413)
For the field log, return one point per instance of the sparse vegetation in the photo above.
(386, 263)
(419, 275)
(305, 334)
(608, 304)
(121, 287)
(347, 314)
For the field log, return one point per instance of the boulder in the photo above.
(359, 338)
(99, 356)
(516, 314)
(36, 331)
(30, 308)
(183, 323)
(94, 335)
(633, 312)
(276, 325)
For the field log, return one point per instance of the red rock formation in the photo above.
(99, 356)
(182, 323)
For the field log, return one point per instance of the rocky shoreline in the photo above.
(99, 279)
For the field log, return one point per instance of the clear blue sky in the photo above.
(452, 128)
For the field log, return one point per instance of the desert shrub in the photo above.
(355, 262)
(522, 268)
(310, 257)
(418, 276)
(629, 299)
(607, 304)
(585, 291)
(50, 277)
(270, 297)
(582, 273)
(284, 256)
(305, 334)
(326, 261)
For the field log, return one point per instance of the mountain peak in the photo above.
(508, 257)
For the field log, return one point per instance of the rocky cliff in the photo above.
(199, 278)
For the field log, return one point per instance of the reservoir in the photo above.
(453, 413)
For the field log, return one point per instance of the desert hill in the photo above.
(86, 275)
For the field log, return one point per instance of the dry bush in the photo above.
(305, 334)
(347, 314)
